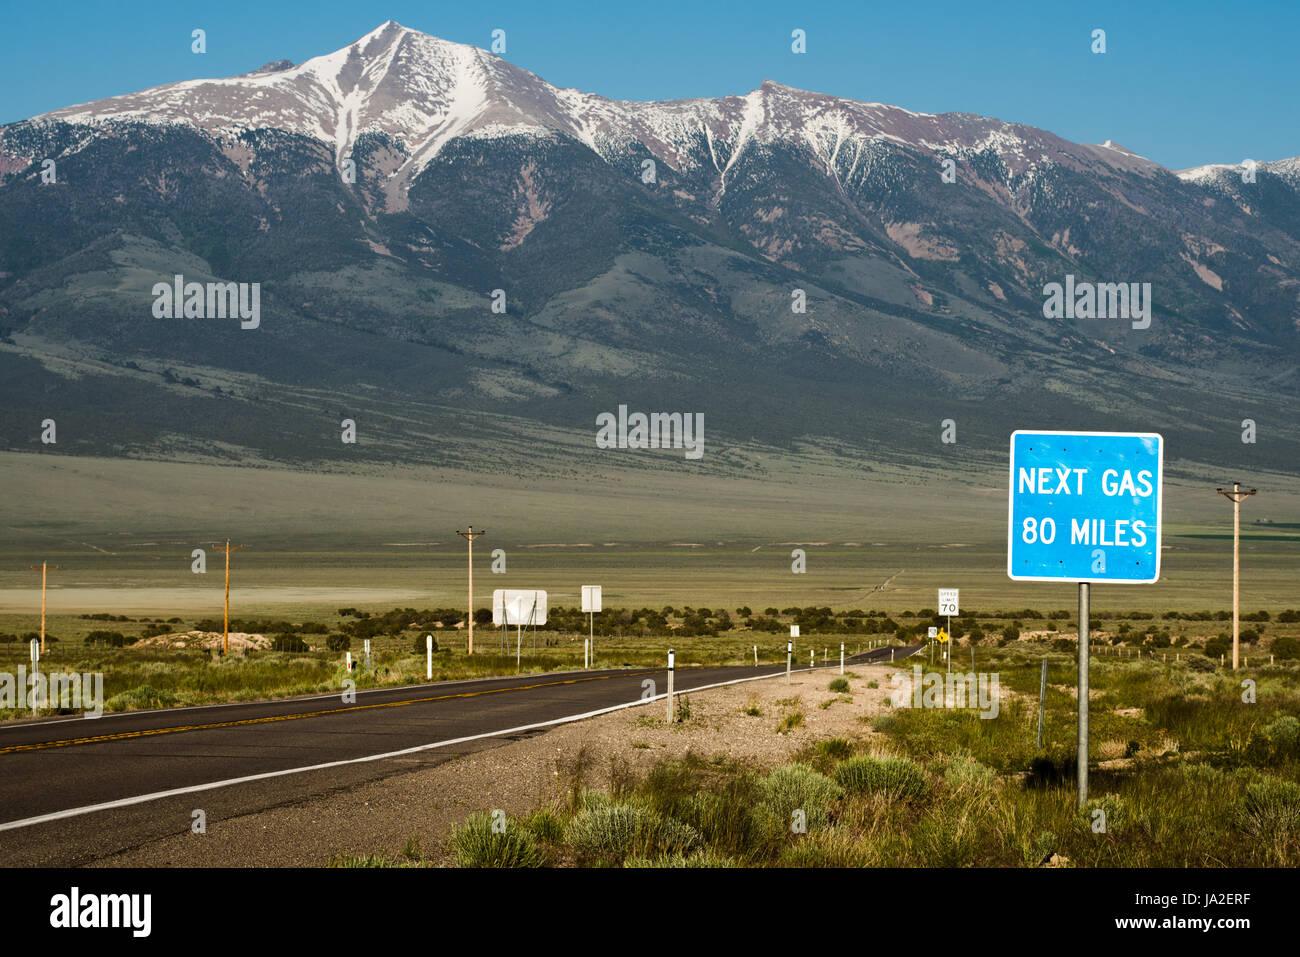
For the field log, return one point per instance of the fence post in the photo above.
(1042, 699)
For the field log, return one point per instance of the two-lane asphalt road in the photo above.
(74, 790)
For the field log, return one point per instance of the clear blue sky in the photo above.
(1183, 83)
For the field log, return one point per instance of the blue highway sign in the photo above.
(1085, 506)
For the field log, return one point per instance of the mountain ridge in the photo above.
(626, 282)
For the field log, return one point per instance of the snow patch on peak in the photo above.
(753, 116)
(1202, 174)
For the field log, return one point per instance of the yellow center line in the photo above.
(95, 739)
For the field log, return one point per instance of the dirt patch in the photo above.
(239, 640)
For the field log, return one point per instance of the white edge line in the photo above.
(194, 789)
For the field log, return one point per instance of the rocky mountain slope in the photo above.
(386, 196)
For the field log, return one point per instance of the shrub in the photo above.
(900, 779)
(545, 826)
(1215, 647)
(964, 772)
(1287, 647)
(797, 787)
(476, 844)
(666, 835)
(605, 829)
(339, 642)
(1115, 813)
(839, 684)
(835, 749)
(705, 858)
(288, 642)
(143, 697)
(115, 639)
(1277, 741)
(683, 708)
(1271, 808)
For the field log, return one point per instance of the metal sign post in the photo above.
(948, 608)
(592, 602)
(1085, 507)
(1085, 632)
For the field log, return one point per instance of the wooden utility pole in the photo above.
(225, 623)
(44, 569)
(1236, 495)
(469, 537)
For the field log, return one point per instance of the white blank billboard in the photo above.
(512, 606)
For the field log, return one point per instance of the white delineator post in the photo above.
(670, 686)
(756, 656)
(789, 654)
(428, 648)
(841, 657)
(36, 670)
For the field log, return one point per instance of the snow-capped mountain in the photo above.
(381, 194)
(422, 92)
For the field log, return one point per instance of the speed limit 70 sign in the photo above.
(948, 601)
